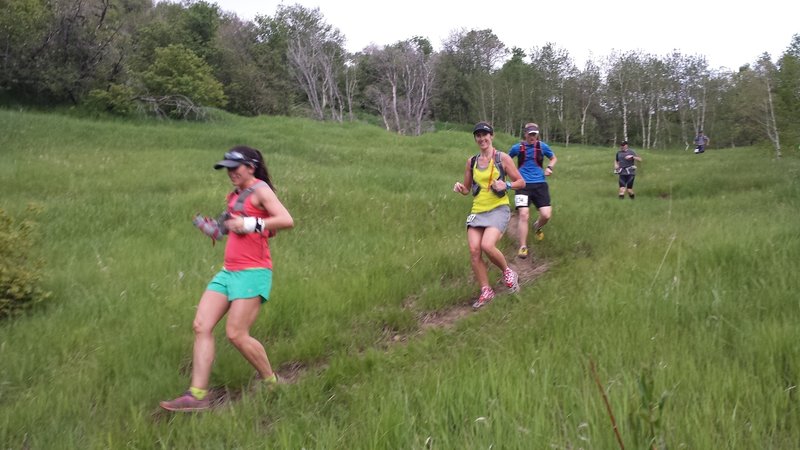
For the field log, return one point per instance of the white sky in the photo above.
(729, 34)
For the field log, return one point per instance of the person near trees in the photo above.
(530, 154)
(625, 167)
(245, 281)
(485, 178)
(700, 142)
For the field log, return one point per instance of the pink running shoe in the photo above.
(511, 279)
(487, 294)
(186, 403)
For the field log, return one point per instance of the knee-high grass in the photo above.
(684, 299)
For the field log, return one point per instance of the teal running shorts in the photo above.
(243, 283)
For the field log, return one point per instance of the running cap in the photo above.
(483, 126)
(531, 128)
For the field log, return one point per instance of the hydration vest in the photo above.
(537, 154)
(238, 207)
(498, 164)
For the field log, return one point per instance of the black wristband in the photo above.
(550, 167)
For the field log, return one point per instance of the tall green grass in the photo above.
(684, 299)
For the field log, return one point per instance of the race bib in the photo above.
(521, 200)
(470, 218)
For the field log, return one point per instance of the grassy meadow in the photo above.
(684, 300)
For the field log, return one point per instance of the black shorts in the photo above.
(626, 181)
(537, 194)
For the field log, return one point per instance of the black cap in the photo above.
(483, 126)
(623, 143)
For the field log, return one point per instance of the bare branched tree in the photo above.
(589, 84)
(402, 89)
(175, 106)
(765, 70)
(316, 55)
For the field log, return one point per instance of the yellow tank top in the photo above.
(486, 200)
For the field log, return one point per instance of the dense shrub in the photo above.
(117, 99)
(19, 271)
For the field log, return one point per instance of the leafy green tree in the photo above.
(746, 93)
(556, 72)
(192, 25)
(23, 27)
(451, 95)
(200, 22)
(787, 90)
(177, 71)
(466, 92)
(516, 89)
(56, 51)
(271, 55)
(248, 84)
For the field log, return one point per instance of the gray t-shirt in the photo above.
(626, 166)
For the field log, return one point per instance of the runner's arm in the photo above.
(517, 182)
(551, 163)
(279, 217)
(464, 188)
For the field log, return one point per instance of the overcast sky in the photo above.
(728, 34)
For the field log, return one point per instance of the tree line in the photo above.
(177, 59)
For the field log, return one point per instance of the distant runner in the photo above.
(700, 142)
(624, 165)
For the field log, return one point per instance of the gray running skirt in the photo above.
(496, 218)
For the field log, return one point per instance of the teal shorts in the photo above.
(243, 284)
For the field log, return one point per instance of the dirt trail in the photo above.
(529, 270)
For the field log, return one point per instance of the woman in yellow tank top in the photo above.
(490, 211)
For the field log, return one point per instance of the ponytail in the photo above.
(261, 171)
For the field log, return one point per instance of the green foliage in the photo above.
(194, 25)
(63, 53)
(253, 67)
(55, 52)
(23, 25)
(646, 417)
(20, 270)
(118, 99)
(176, 70)
(788, 94)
